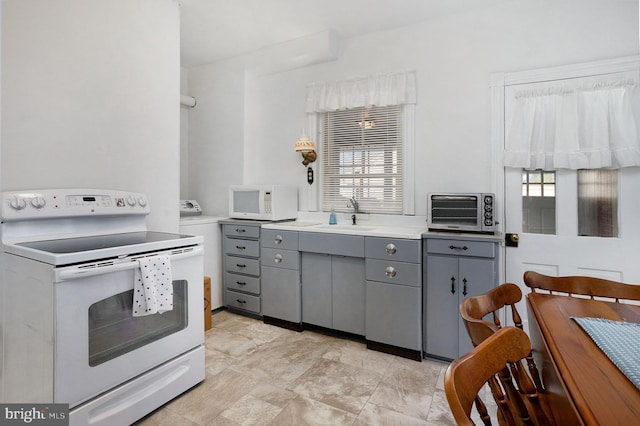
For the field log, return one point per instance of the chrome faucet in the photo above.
(353, 203)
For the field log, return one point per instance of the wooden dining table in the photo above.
(582, 385)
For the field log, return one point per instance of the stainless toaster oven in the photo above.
(461, 212)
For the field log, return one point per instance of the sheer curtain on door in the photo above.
(587, 124)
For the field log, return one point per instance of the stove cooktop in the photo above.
(76, 250)
(81, 244)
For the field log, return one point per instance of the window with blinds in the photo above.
(362, 158)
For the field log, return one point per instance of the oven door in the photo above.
(100, 345)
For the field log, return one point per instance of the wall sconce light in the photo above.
(307, 148)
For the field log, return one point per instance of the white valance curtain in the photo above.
(379, 90)
(574, 128)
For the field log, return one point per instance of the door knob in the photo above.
(511, 240)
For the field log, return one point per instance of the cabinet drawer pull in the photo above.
(391, 248)
(241, 301)
(453, 285)
(464, 286)
(390, 271)
(278, 239)
(241, 247)
(278, 258)
(240, 265)
(452, 247)
(240, 230)
(241, 283)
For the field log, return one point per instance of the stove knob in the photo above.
(142, 201)
(18, 203)
(38, 202)
(131, 201)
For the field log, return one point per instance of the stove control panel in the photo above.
(52, 203)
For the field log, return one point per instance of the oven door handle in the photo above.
(74, 273)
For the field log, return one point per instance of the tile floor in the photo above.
(259, 374)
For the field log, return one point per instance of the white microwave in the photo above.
(263, 202)
(472, 212)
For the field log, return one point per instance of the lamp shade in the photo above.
(305, 144)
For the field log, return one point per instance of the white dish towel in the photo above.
(153, 286)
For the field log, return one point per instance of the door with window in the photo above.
(561, 218)
(583, 222)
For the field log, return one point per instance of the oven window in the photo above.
(114, 331)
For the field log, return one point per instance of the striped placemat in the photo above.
(620, 341)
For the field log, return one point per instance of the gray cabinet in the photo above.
(280, 263)
(454, 269)
(348, 297)
(317, 289)
(333, 281)
(241, 262)
(394, 294)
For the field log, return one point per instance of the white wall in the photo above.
(91, 98)
(454, 57)
(216, 134)
(184, 136)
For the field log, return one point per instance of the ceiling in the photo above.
(212, 30)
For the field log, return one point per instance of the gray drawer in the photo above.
(287, 240)
(287, 259)
(242, 283)
(242, 265)
(393, 272)
(393, 249)
(244, 231)
(250, 248)
(342, 245)
(243, 301)
(461, 247)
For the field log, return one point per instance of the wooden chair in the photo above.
(501, 351)
(473, 310)
(581, 285)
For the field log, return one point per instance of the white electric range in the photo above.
(69, 257)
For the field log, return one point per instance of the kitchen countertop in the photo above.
(407, 227)
(368, 230)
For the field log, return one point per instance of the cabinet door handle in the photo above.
(241, 283)
(240, 265)
(241, 301)
(464, 286)
(453, 285)
(452, 247)
(391, 248)
(240, 230)
(278, 239)
(241, 247)
(278, 258)
(390, 271)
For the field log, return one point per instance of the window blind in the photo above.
(362, 158)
